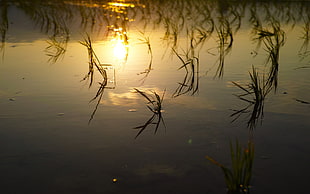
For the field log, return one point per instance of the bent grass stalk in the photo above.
(146, 40)
(190, 63)
(190, 81)
(225, 42)
(95, 63)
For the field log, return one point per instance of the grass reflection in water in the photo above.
(94, 63)
(154, 104)
(146, 40)
(273, 40)
(183, 22)
(257, 89)
(57, 48)
(190, 63)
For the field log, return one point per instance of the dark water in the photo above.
(209, 73)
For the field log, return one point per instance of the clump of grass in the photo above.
(238, 178)
(254, 94)
(154, 104)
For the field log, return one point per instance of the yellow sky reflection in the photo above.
(121, 4)
(128, 99)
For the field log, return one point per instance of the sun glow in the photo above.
(120, 44)
(120, 49)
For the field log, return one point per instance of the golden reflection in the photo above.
(116, 6)
(120, 50)
(120, 44)
(128, 99)
(120, 6)
(125, 99)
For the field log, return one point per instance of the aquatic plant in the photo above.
(238, 177)
(254, 94)
(154, 104)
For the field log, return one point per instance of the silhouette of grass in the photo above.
(154, 104)
(254, 94)
(273, 40)
(93, 61)
(146, 40)
(225, 42)
(190, 63)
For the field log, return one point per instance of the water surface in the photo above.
(61, 133)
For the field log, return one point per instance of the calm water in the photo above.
(223, 72)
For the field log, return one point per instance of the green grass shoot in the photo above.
(238, 177)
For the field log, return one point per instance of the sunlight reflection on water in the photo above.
(153, 46)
